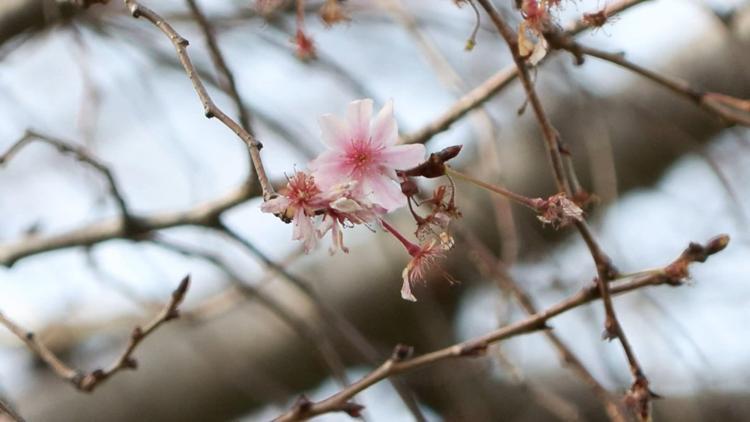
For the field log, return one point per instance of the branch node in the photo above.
(302, 405)
(130, 363)
(401, 353)
(474, 349)
(137, 333)
(353, 409)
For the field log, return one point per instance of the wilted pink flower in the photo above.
(303, 201)
(558, 210)
(346, 209)
(298, 204)
(364, 150)
(422, 259)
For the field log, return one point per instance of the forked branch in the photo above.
(87, 382)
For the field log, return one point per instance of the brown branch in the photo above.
(347, 330)
(489, 265)
(401, 360)
(10, 412)
(320, 340)
(226, 79)
(551, 136)
(203, 214)
(497, 82)
(87, 382)
(729, 109)
(209, 107)
(639, 394)
(79, 153)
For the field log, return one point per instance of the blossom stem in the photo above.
(648, 272)
(410, 247)
(518, 198)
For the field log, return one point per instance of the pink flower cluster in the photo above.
(362, 176)
(353, 182)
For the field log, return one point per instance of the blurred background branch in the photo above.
(254, 341)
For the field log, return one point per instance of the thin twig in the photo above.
(209, 107)
(87, 382)
(515, 197)
(497, 82)
(727, 108)
(348, 331)
(320, 340)
(551, 136)
(496, 269)
(79, 153)
(226, 79)
(639, 393)
(203, 214)
(8, 410)
(401, 360)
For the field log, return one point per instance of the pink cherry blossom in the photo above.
(303, 201)
(364, 150)
(298, 204)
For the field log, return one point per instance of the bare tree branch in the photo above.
(401, 360)
(209, 107)
(78, 152)
(87, 382)
(497, 82)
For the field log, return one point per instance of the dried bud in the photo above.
(449, 153)
(409, 187)
(402, 352)
(559, 211)
(435, 164)
(638, 398)
(354, 410)
(302, 404)
(332, 13)
(136, 334)
(305, 47)
(717, 244)
(595, 19)
(695, 252)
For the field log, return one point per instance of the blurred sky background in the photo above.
(113, 89)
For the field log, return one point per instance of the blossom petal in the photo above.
(384, 191)
(402, 157)
(329, 169)
(384, 130)
(304, 230)
(358, 115)
(334, 132)
(275, 205)
(406, 293)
